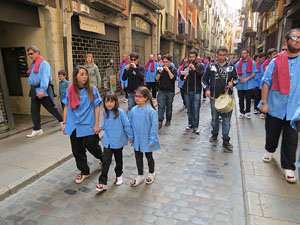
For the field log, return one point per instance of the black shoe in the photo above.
(159, 125)
(213, 138)
(168, 123)
(227, 145)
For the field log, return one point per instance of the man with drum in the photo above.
(218, 78)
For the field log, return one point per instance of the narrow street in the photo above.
(197, 183)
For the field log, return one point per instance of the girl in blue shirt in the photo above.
(144, 123)
(81, 120)
(117, 131)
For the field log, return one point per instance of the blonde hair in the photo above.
(89, 55)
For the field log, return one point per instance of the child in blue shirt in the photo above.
(63, 85)
(144, 123)
(117, 131)
(81, 120)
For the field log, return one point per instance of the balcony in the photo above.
(152, 4)
(113, 6)
(169, 25)
(262, 6)
(183, 30)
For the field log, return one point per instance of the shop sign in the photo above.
(141, 25)
(91, 25)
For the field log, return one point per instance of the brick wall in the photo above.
(103, 52)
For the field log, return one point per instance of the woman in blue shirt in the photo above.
(144, 123)
(117, 131)
(81, 120)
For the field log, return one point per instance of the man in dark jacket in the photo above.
(192, 90)
(166, 89)
(218, 77)
(134, 72)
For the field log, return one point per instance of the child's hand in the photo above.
(63, 129)
(130, 141)
(149, 145)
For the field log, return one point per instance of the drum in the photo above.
(224, 103)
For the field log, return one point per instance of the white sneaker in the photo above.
(34, 133)
(119, 180)
(256, 111)
(101, 187)
(248, 115)
(241, 116)
(262, 115)
(268, 156)
(80, 178)
(125, 100)
(290, 176)
(188, 128)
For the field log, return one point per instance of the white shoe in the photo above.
(34, 133)
(248, 115)
(188, 128)
(268, 156)
(256, 111)
(119, 180)
(290, 176)
(241, 116)
(262, 115)
(196, 131)
(101, 187)
(80, 178)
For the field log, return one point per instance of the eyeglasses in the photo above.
(139, 96)
(133, 59)
(284, 49)
(294, 38)
(31, 53)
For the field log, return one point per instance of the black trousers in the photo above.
(203, 93)
(245, 94)
(79, 147)
(36, 108)
(289, 142)
(152, 86)
(257, 97)
(107, 158)
(182, 96)
(140, 162)
(126, 94)
(62, 106)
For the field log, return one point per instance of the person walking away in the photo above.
(219, 77)
(166, 90)
(81, 120)
(181, 82)
(124, 84)
(94, 74)
(63, 85)
(257, 87)
(271, 54)
(151, 70)
(117, 132)
(159, 60)
(144, 123)
(192, 88)
(41, 90)
(135, 73)
(280, 98)
(246, 69)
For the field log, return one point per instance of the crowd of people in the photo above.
(273, 83)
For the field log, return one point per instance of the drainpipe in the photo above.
(65, 46)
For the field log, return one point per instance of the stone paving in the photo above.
(197, 183)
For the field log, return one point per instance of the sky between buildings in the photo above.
(236, 4)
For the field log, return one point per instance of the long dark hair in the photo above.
(87, 86)
(111, 96)
(146, 93)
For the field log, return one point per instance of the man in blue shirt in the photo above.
(280, 98)
(151, 70)
(41, 90)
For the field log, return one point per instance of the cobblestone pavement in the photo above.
(197, 183)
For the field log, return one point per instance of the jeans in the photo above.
(242, 95)
(108, 153)
(36, 108)
(79, 147)
(140, 163)
(289, 141)
(165, 103)
(131, 101)
(226, 117)
(193, 103)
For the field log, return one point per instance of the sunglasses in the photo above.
(139, 96)
(294, 38)
(30, 53)
(133, 59)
